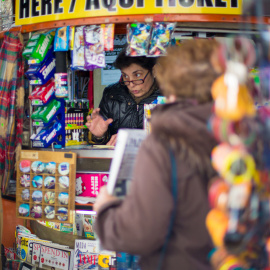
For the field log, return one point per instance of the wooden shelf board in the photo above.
(123, 19)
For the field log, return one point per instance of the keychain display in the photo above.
(138, 39)
(47, 190)
(160, 38)
(239, 219)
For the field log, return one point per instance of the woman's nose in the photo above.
(131, 84)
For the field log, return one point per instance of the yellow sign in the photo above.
(36, 11)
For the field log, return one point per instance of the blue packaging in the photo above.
(61, 40)
(32, 62)
(39, 75)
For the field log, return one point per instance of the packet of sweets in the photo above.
(160, 39)
(107, 31)
(30, 46)
(94, 47)
(36, 113)
(78, 49)
(61, 40)
(49, 111)
(71, 37)
(43, 45)
(138, 38)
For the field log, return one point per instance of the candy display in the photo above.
(25, 166)
(37, 181)
(36, 211)
(160, 38)
(49, 182)
(25, 180)
(138, 38)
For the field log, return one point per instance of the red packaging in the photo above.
(43, 93)
(88, 184)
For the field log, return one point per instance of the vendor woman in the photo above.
(122, 103)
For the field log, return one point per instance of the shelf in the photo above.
(88, 206)
(122, 20)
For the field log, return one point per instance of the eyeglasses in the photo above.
(136, 82)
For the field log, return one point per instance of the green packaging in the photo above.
(42, 46)
(31, 45)
(49, 111)
(36, 113)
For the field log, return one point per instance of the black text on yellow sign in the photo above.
(48, 10)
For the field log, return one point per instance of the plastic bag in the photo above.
(160, 38)
(78, 49)
(94, 47)
(138, 38)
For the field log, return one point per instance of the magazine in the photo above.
(87, 255)
(121, 169)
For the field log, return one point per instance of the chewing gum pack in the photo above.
(42, 94)
(39, 75)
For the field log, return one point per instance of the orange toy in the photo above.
(217, 223)
(232, 100)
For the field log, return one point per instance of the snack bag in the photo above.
(94, 47)
(78, 49)
(138, 38)
(43, 45)
(71, 37)
(107, 31)
(160, 39)
(61, 41)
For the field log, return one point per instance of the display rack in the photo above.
(30, 202)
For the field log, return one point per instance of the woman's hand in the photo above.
(103, 198)
(96, 124)
(112, 140)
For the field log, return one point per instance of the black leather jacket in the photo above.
(118, 104)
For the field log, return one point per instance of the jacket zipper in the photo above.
(137, 107)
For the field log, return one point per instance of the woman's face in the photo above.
(136, 72)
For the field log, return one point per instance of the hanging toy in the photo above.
(138, 38)
(232, 98)
(160, 38)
